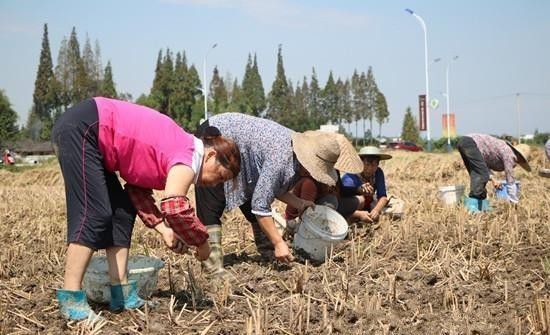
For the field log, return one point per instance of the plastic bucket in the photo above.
(319, 230)
(450, 195)
(502, 193)
(142, 269)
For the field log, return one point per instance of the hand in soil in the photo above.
(171, 239)
(282, 253)
(366, 217)
(203, 251)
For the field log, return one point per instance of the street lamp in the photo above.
(423, 24)
(448, 98)
(205, 87)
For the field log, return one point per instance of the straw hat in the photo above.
(373, 151)
(317, 153)
(522, 152)
(348, 161)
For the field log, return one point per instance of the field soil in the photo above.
(437, 270)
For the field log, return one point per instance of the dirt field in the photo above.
(437, 271)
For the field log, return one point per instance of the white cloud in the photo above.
(285, 13)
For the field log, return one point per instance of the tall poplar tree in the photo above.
(108, 89)
(218, 92)
(8, 119)
(163, 82)
(381, 112)
(314, 101)
(330, 101)
(279, 97)
(299, 108)
(89, 63)
(237, 103)
(359, 100)
(372, 93)
(197, 99)
(409, 131)
(344, 102)
(253, 88)
(78, 78)
(178, 104)
(63, 74)
(44, 98)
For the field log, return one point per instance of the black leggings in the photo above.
(476, 166)
(99, 211)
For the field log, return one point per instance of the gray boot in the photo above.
(263, 244)
(213, 266)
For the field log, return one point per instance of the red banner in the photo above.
(422, 111)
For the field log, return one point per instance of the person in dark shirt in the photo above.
(364, 194)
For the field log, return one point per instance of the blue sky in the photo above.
(503, 48)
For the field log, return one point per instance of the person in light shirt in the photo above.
(483, 154)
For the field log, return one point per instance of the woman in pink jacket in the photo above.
(99, 137)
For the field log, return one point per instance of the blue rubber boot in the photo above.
(485, 206)
(125, 296)
(472, 205)
(73, 305)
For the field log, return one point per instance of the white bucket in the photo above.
(450, 195)
(142, 269)
(320, 229)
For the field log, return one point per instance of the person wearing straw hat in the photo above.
(271, 157)
(482, 154)
(364, 194)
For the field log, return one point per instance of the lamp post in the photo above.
(205, 87)
(448, 98)
(423, 24)
(519, 117)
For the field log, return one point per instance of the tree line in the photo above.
(176, 91)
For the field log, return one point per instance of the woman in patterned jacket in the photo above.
(271, 157)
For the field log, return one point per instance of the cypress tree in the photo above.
(299, 107)
(44, 96)
(247, 88)
(314, 101)
(359, 100)
(218, 92)
(63, 74)
(258, 101)
(344, 101)
(8, 119)
(253, 88)
(178, 105)
(97, 61)
(279, 100)
(167, 82)
(366, 110)
(108, 89)
(89, 63)
(237, 103)
(330, 100)
(409, 131)
(372, 93)
(381, 112)
(195, 98)
(154, 99)
(78, 80)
